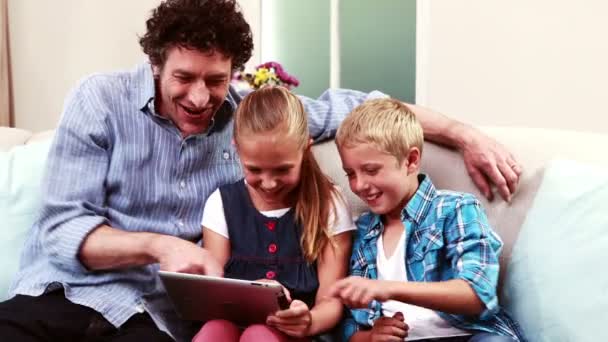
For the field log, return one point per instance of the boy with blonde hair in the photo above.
(425, 261)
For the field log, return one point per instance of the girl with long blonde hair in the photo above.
(285, 221)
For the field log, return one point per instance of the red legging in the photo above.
(223, 330)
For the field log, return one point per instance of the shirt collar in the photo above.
(416, 208)
(419, 205)
(144, 85)
(233, 98)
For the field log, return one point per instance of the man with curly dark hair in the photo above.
(135, 157)
(211, 33)
(216, 26)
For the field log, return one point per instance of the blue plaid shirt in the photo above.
(448, 237)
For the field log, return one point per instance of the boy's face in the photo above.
(383, 183)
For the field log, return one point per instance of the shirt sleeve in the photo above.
(213, 215)
(348, 327)
(342, 218)
(473, 250)
(327, 112)
(76, 170)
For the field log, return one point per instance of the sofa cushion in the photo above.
(10, 137)
(557, 284)
(41, 136)
(21, 170)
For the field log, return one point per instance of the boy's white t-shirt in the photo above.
(214, 219)
(424, 323)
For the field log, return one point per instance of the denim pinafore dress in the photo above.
(266, 247)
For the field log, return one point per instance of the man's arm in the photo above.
(486, 160)
(73, 186)
(109, 248)
(74, 231)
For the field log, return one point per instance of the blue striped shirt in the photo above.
(447, 237)
(115, 161)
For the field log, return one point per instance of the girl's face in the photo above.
(272, 163)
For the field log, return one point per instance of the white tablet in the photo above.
(202, 298)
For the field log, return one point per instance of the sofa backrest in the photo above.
(10, 137)
(533, 148)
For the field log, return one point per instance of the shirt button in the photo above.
(180, 223)
(182, 184)
(140, 308)
(272, 248)
(271, 225)
(226, 155)
(270, 275)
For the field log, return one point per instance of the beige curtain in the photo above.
(5, 89)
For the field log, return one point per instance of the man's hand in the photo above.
(357, 292)
(178, 255)
(295, 321)
(389, 329)
(488, 161)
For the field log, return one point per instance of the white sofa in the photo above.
(534, 148)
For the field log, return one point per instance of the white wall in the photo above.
(252, 10)
(56, 43)
(538, 63)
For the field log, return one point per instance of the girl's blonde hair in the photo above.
(276, 108)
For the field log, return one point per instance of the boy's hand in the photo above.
(357, 292)
(389, 329)
(295, 321)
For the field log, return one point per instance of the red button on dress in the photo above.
(270, 275)
(271, 225)
(272, 248)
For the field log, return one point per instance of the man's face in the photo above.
(191, 87)
(383, 183)
(272, 164)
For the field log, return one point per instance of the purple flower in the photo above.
(282, 77)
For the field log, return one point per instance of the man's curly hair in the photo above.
(203, 25)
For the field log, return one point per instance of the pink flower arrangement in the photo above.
(269, 73)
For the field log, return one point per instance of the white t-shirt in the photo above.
(424, 323)
(214, 219)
